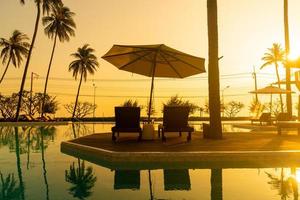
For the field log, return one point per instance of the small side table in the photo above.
(148, 132)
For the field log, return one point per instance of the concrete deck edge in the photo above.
(32, 123)
(74, 148)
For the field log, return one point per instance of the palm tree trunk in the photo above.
(75, 106)
(5, 70)
(38, 5)
(74, 131)
(287, 50)
(48, 72)
(215, 131)
(278, 80)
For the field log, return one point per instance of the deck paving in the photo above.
(258, 141)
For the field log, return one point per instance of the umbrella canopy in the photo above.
(159, 59)
(271, 90)
(156, 60)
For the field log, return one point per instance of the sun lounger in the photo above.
(175, 119)
(26, 118)
(127, 179)
(127, 120)
(177, 179)
(283, 117)
(288, 124)
(265, 117)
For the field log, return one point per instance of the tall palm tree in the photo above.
(213, 71)
(41, 5)
(287, 51)
(14, 50)
(85, 62)
(59, 23)
(275, 55)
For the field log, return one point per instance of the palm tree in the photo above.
(287, 51)
(274, 55)
(45, 6)
(14, 49)
(59, 23)
(85, 62)
(213, 71)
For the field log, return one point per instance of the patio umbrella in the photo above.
(271, 90)
(156, 60)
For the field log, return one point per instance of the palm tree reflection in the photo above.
(81, 177)
(47, 132)
(9, 189)
(18, 152)
(216, 182)
(284, 185)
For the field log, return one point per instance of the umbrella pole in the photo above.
(151, 92)
(271, 105)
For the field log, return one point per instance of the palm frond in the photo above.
(85, 62)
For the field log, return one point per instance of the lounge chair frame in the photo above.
(127, 120)
(175, 119)
(264, 117)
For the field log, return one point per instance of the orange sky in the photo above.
(246, 29)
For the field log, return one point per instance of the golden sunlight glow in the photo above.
(294, 55)
(298, 175)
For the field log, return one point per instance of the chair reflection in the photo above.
(177, 179)
(127, 179)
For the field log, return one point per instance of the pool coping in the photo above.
(34, 123)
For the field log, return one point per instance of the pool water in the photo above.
(32, 167)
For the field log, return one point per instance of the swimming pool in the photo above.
(32, 167)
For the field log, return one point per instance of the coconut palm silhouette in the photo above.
(58, 24)
(14, 50)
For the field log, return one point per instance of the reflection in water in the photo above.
(216, 183)
(17, 145)
(78, 130)
(177, 179)
(47, 132)
(285, 185)
(6, 133)
(8, 187)
(77, 179)
(82, 179)
(127, 179)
